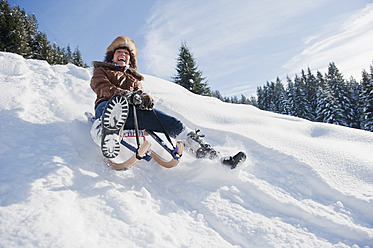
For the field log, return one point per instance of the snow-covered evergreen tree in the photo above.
(266, 96)
(17, 30)
(188, 74)
(42, 49)
(217, 95)
(18, 34)
(338, 89)
(289, 96)
(353, 112)
(4, 18)
(25, 31)
(300, 98)
(279, 97)
(30, 25)
(366, 100)
(324, 100)
(272, 97)
(261, 97)
(77, 57)
(69, 54)
(244, 100)
(254, 101)
(311, 85)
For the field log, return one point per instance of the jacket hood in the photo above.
(122, 42)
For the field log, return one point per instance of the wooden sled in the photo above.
(128, 146)
(145, 152)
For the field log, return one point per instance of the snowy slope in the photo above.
(303, 184)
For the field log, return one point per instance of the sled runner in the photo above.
(151, 147)
(176, 153)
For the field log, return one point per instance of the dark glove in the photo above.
(139, 99)
(133, 97)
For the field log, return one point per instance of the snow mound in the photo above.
(303, 184)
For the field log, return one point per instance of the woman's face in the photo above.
(122, 57)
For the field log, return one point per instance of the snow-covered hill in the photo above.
(303, 184)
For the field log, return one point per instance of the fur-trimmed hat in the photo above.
(122, 42)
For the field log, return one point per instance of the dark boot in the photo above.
(233, 161)
(113, 119)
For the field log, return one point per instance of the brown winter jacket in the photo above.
(109, 79)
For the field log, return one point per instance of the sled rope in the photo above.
(137, 132)
(164, 130)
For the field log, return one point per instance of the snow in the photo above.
(303, 184)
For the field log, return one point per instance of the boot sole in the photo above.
(113, 119)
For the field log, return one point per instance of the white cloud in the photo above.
(213, 29)
(348, 43)
(242, 41)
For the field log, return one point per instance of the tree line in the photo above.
(19, 34)
(325, 98)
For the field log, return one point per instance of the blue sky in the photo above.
(237, 44)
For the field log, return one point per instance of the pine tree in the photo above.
(234, 99)
(77, 58)
(326, 103)
(254, 101)
(366, 100)
(16, 30)
(42, 49)
(271, 105)
(279, 97)
(18, 34)
(289, 97)
(4, 28)
(324, 100)
(261, 98)
(310, 87)
(69, 54)
(217, 95)
(244, 100)
(55, 54)
(266, 97)
(300, 99)
(63, 55)
(353, 112)
(339, 92)
(31, 31)
(8, 28)
(188, 74)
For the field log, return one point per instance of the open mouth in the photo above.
(121, 59)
